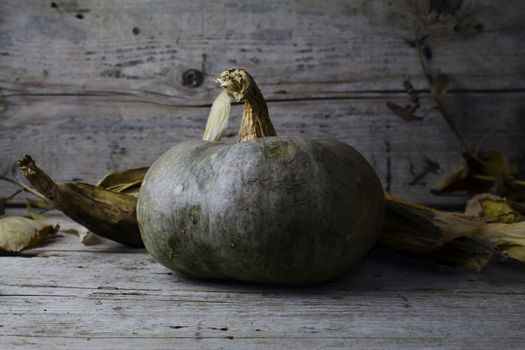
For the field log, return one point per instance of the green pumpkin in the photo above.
(267, 209)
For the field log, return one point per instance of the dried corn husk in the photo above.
(124, 181)
(108, 214)
(471, 237)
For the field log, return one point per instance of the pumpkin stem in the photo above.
(240, 86)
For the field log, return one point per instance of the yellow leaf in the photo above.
(496, 164)
(125, 181)
(517, 252)
(440, 86)
(492, 208)
(18, 233)
(218, 118)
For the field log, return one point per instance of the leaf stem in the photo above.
(14, 195)
(439, 103)
(23, 187)
(492, 178)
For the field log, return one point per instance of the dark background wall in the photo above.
(87, 86)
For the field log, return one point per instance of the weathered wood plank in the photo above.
(107, 295)
(298, 49)
(110, 135)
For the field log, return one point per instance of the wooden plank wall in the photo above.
(92, 85)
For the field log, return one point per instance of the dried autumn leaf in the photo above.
(491, 172)
(124, 181)
(455, 176)
(492, 208)
(517, 252)
(18, 233)
(496, 164)
(508, 239)
(218, 118)
(440, 86)
(404, 113)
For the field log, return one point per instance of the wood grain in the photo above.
(111, 297)
(94, 85)
(113, 135)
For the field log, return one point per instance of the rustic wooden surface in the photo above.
(87, 86)
(64, 295)
(91, 85)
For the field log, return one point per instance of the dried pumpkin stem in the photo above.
(240, 86)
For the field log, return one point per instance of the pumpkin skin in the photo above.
(273, 209)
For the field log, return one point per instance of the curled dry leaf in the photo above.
(440, 86)
(218, 118)
(507, 239)
(454, 176)
(407, 114)
(123, 181)
(496, 164)
(18, 233)
(492, 208)
(491, 172)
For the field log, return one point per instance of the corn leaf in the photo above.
(123, 181)
(218, 118)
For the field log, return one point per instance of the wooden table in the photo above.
(64, 295)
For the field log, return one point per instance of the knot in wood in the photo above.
(192, 78)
